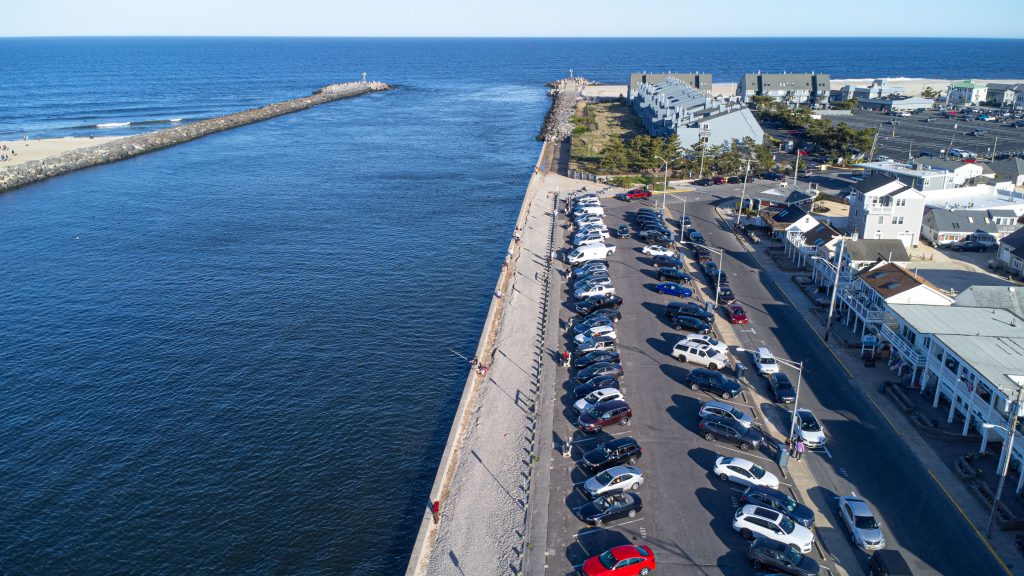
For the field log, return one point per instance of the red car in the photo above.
(737, 315)
(626, 560)
(718, 180)
(635, 194)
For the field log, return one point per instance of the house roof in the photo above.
(967, 84)
(783, 217)
(890, 279)
(994, 358)
(819, 235)
(868, 249)
(1011, 167)
(1014, 240)
(874, 182)
(1008, 298)
(776, 196)
(949, 165)
(962, 221)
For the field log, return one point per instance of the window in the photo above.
(901, 202)
(897, 219)
(881, 219)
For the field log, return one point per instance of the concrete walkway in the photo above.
(868, 381)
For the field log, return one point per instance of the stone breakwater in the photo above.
(38, 170)
(558, 123)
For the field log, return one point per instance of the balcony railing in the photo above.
(859, 303)
(907, 350)
(878, 208)
(975, 404)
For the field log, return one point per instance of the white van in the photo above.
(589, 252)
(585, 210)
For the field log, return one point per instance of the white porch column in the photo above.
(938, 392)
(952, 407)
(984, 440)
(967, 423)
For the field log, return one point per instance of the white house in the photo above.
(858, 255)
(966, 93)
(864, 303)
(885, 209)
(963, 172)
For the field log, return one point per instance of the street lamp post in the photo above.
(703, 149)
(951, 138)
(796, 401)
(1012, 433)
(664, 189)
(743, 193)
(835, 289)
(796, 167)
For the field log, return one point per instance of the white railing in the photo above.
(907, 350)
(974, 403)
(857, 301)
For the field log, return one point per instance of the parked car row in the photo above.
(612, 479)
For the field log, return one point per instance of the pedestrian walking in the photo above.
(565, 358)
(799, 447)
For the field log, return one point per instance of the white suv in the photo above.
(702, 354)
(765, 362)
(757, 521)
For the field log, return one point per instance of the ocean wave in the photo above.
(113, 124)
(103, 125)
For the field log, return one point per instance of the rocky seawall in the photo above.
(36, 171)
(558, 123)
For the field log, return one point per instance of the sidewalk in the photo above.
(869, 381)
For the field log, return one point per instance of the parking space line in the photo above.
(604, 526)
(591, 439)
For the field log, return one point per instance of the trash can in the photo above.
(709, 307)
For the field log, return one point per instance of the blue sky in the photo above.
(686, 18)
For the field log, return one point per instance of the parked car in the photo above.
(599, 290)
(624, 450)
(666, 262)
(587, 403)
(718, 180)
(580, 325)
(744, 438)
(599, 369)
(772, 176)
(703, 182)
(586, 267)
(718, 276)
(736, 314)
(726, 296)
(654, 250)
(978, 132)
(888, 563)
(782, 388)
(610, 507)
(595, 383)
(777, 500)
(612, 314)
(691, 309)
(710, 269)
(767, 555)
(595, 357)
(695, 236)
(598, 331)
(972, 246)
(622, 231)
(712, 381)
(709, 340)
(764, 361)
(635, 194)
(725, 411)
(700, 354)
(860, 521)
(691, 324)
(744, 472)
(604, 414)
(674, 275)
(613, 481)
(757, 521)
(589, 305)
(628, 560)
(595, 344)
(673, 289)
(808, 429)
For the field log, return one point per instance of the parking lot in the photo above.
(930, 132)
(687, 511)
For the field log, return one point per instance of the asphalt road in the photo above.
(687, 514)
(913, 134)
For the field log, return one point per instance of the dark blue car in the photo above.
(673, 289)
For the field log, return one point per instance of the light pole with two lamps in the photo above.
(799, 367)
(837, 268)
(664, 190)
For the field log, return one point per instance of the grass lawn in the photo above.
(597, 125)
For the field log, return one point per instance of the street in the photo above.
(687, 511)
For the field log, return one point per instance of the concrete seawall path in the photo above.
(23, 174)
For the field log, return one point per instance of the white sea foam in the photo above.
(113, 124)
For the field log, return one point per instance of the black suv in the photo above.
(692, 324)
(715, 428)
(691, 309)
(667, 261)
(782, 388)
(595, 383)
(712, 381)
(612, 314)
(772, 556)
(588, 305)
(619, 451)
(674, 275)
(776, 500)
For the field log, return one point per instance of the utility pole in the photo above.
(910, 152)
(664, 190)
(796, 167)
(1012, 432)
(994, 144)
(874, 143)
(703, 149)
(743, 193)
(955, 124)
(835, 289)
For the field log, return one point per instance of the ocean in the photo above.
(241, 355)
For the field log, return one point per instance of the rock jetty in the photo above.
(36, 171)
(558, 123)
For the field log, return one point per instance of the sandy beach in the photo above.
(29, 150)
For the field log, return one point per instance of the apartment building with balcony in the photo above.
(811, 89)
(863, 305)
(972, 357)
(801, 244)
(858, 254)
(885, 209)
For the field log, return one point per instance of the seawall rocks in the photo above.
(558, 123)
(36, 171)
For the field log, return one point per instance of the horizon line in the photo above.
(428, 37)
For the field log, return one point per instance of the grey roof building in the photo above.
(1008, 298)
(1011, 170)
(697, 80)
(943, 226)
(810, 88)
(675, 107)
(868, 250)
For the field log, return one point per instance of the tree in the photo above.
(850, 104)
(929, 92)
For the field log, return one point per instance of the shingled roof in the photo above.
(867, 249)
(891, 279)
